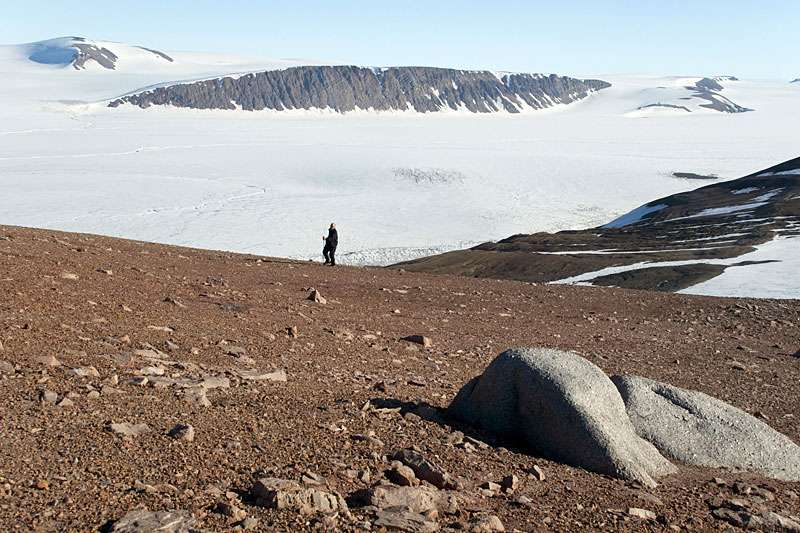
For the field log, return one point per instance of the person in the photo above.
(330, 245)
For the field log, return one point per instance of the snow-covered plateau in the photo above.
(398, 185)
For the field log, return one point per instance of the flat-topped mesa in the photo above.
(348, 88)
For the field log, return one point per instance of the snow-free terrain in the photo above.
(399, 185)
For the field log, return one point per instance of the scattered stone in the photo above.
(292, 332)
(129, 430)
(140, 382)
(48, 396)
(165, 329)
(490, 486)
(228, 509)
(93, 395)
(151, 371)
(426, 470)
(415, 499)
(235, 351)
(404, 520)
(279, 494)
(369, 437)
(144, 521)
(255, 375)
(42, 484)
(315, 296)
(402, 475)
(174, 302)
(484, 524)
(638, 512)
(564, 407)
(66, 402)
(698, 429)
(418, 339)
(48, 360)
(182, 432)
(6, 367)
(107, 390)
(232, 307)
(247, 523)
(312, 479)
(510, 483)
(196, 395)
(86, 371)
(212, 382)
(69, 275)
(537, 472)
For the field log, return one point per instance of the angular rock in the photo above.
(48, 396)
(402, 475)
(256, 375)
(426, 470)
(419, 339)
(66, 402)
(6, 367)
(698, 429)
(278, 493)
(404, 520)
(48, 360)
(144, 521)
(638, 512)
(316, 296)
(484, 524)
(510, 483)
(129, 430)
(182, 432)
(196, 395)
(416, 499)
(564, 408)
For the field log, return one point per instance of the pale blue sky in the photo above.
(743, 38)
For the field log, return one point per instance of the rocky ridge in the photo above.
(719, 221)
(195, 390)
(348, 88)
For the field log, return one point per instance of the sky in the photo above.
(744, 38)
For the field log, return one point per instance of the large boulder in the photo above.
(698, 429)
(560, 406)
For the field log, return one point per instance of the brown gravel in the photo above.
(104, 303)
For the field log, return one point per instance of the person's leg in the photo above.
(333, 259)
(325, 254)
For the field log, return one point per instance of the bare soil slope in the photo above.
(115, 312)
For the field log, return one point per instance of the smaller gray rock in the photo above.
(48, 397)
(426, 470)
(6, 367)
(129, 430)
(279, 494)
(182, 432)
(144, 521)
(197, 396)
(257, 375)
(404, 520)
(48, 360)
(416, 499)
(698, 429)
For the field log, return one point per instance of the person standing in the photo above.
(330, 245)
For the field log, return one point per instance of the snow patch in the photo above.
(634, 216)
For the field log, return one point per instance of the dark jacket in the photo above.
(332, 240)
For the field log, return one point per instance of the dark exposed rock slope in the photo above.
(346, 88)
(719, 221)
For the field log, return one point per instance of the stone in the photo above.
(127, 429)
(426, 470)
(312, 479)
(196, 395)
(66, 402)
(86, 371)
(230, 510)
(416, 499)
(698, 429)
(419, 339)
(316, 296)
(256, 375)
(213, 382)
(404, 520)
(638, 512)
(510, 483)
(484, 524)
(291, 331)
(182, 432)
(48, 360)
(402, 475)
(6, 367)
(48, 396)
(69, 275)
(144, 521)
(538, 473)
(93, 395)
(275, 493)
(562, 407)
(236, 351)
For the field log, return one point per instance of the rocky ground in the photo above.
(107, 346)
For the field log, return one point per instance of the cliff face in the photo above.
(346, 88)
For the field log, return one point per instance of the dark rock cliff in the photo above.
(346, 88)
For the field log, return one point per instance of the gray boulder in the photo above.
(563, 407)
(698, 429)
(144, 521)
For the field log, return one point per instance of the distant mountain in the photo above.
(79, 53)
(347, 88)
(667, 244)
(703, 93)
(795, 81)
